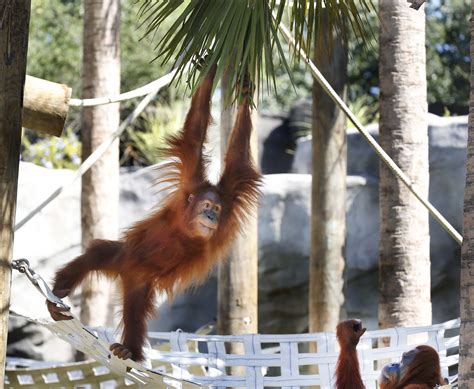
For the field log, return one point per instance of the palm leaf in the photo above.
(241, 36)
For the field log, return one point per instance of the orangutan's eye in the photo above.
(217, 208)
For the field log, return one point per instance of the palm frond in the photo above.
(241, 36)
(238, 34)
(341, 17)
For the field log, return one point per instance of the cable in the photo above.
(372, 142)
(94, 157)
(142, 91)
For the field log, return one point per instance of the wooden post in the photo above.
(238, 274)
(14, 26)
(46, 105)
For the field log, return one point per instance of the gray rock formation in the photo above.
(447, 154)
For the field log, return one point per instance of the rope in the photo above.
(142, 91)
(380, 152)
(95, 156)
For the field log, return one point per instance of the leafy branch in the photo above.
(241, 36)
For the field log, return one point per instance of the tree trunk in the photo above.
(466, 347)
(100, 185)
(404, 271)
(328, 200)
(238, 274)
(14, 27)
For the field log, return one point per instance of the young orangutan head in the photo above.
(205, 209)
(349, 332)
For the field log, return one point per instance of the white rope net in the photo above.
(179, 359)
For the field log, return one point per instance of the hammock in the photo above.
(194, 360)
(184, 360)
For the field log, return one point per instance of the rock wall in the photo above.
(447, 164)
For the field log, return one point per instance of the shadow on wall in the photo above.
(279, 146)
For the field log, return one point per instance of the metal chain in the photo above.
(23, 266)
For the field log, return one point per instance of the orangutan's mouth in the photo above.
(212, 228)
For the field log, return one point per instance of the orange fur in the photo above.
(347, 368)
(423, 372)
(159, 253)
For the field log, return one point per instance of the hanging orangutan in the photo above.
(177, 245)
(348, 334)
(418, 369)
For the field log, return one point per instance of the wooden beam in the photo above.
(46, 105)
(14, 25)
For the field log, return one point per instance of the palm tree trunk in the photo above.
(238, 274)
(466, 348)
(100, 186)
(328, 216)
(404, 271)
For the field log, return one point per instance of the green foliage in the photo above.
(55, 44)
(138, 67)
(287, 93)
(237, 35)
(448, 61)
(55, 54)
(52, 152)
(345, 18)
(142, 144)
(448, 58)
(55, 47)
(362, 73)
(364, 109)
(241, 36)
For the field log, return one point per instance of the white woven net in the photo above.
(179, 359)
